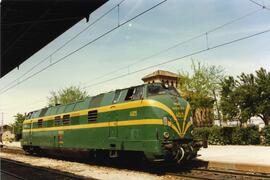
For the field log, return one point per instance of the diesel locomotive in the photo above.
(151, 119)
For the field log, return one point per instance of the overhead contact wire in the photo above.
(178, 44)
(66, 43)
(92, 41)
(263, 6)
(179, 58)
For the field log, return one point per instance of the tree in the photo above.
(228, 102)
(66, 96)
(202, 87)
(17, 125)
(236, 99)
(247, 96)
(262, 107)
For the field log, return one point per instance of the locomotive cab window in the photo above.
(160, 89)
(66, 119)
(29, 115)
(134, 93)
(57, 120)
(116, 96)
(40, 121)
(92, 115)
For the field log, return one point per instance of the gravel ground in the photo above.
(85, 170)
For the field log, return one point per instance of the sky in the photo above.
(127, 47)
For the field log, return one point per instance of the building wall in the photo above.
(170, 81)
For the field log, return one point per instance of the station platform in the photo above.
(11, 144)
(237, 157)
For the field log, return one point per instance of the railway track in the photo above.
(210, 174)
(12, 150)
(28, 172)
(193, 170)
(9, 176)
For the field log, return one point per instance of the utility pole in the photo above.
(2, 123)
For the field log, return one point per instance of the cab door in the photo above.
(113, 123)
(113, 120)
(30, 136)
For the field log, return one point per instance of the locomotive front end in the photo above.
(181, 146)
(178, 144)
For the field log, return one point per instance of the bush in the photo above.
(227, 134)
(253, 135)
(216, 136)
(266, 135)
(201, 133)
(231, 135)
(238, 134)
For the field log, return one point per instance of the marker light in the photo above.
(165, 121)
(191, 119)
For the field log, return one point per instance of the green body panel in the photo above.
(147, 138)
(127, 138)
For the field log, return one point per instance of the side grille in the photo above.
(92, 115)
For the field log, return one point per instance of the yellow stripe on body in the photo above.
(122, 106)
(185, 118)
(187, 126)
(101, 125)
(176, 130)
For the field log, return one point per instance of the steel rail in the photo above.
(234, 172)
(214, 174)
(43, 169)
(11, 174)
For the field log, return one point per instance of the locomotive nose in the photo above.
(181, 109)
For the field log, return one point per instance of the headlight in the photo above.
(191, 119)
(166, 135)
(165, 121)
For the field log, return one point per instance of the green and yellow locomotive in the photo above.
(151, 119)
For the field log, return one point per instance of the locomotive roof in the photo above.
(102, 99)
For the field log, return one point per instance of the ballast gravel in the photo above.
(85, 170)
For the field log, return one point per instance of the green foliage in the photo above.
(244, 136)
(236, 99)
(266, 135)
(201, 133)
(216, 136)
(66, 96)
(17, 125)
(230, 135)
(227, 134)
(246, 96)
(239, 136)
(229, 105)
(262, 106)
(202, 87)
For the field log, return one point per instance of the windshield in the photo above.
(158, 89)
